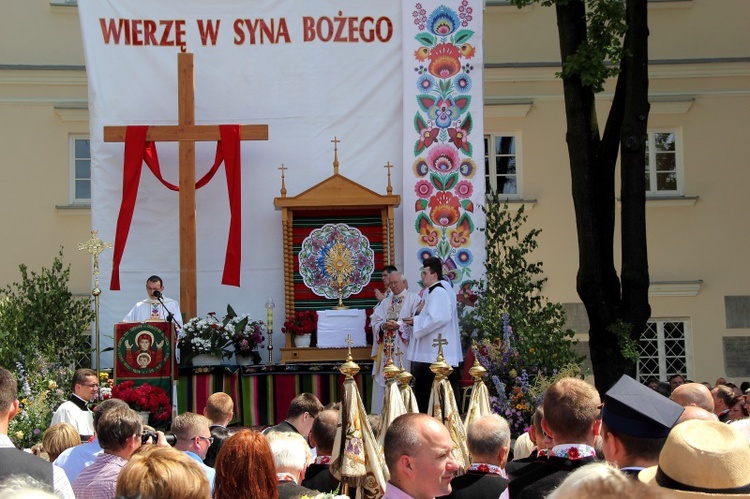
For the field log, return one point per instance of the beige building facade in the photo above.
(698, 168)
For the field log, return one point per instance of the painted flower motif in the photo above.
(428, 235)
(467, 167)
(425, 253)
(462, 83)
(444, 60)
(467, 50)
(464, 257)
(420, 167)
(464, 189)
(427, 136)
(422, 53)
(425, 83)
(443, 112)
(459, 137)
(443, 21)
(444, 209)
(443, 159)
(573, 453)
(423, 189)
(459, 236)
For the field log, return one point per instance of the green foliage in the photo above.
(513, 285)
(40, 315)
(599, 54)
(42, 387)
(628, 346)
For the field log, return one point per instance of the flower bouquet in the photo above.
(145, 398)
(246, 334)
(204, 336)
(302, 324)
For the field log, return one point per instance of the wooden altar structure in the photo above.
(336, 199)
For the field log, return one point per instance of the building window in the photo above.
(501, 164)
(663, 173)
(80, 168)
(663, 350)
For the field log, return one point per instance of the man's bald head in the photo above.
(695, 412)
(693, 394)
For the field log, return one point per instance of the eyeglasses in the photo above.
(209, 439)
(90, 385)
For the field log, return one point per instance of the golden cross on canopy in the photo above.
(399, 354)
(187, 133)
(349, 341)
(389, 189)
(439, 341)
(283, 185)
(335, 155)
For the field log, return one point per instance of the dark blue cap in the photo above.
(634, 409)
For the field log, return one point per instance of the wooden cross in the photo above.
(187, 133)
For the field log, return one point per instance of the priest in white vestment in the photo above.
(387, 319)
(152, 309)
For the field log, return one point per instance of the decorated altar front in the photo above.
(262, 393)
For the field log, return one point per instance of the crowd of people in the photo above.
(632, 442)
(658, 439)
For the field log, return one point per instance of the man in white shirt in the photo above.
(75, 410)
(437, 314)
(154, 309)
(388, 320)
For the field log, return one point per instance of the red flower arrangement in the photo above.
(145, 398)
(302, 323)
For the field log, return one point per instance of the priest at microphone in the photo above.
(157, 307)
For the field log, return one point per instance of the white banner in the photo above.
(444, 182)
(311, 70)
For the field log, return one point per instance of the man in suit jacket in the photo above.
(571, 418)
(220, 411)
(322, 435)
(488, 439)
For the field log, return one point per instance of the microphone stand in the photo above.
(170, 315)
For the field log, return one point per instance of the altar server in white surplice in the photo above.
(387, 319)
(436, 315)
(152, 309)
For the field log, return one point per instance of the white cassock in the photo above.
(439, 315)
(398, 306)
(150, 310)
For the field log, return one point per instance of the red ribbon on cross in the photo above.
(138, 151)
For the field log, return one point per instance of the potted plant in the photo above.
(301, 325)
(246, 335)
(144, 399)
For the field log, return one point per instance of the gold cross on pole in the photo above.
(283, 185)
(399, 354)
(94, 246)
(439, 342)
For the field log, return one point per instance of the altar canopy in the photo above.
(311, 70)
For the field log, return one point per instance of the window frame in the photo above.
(72, 178)
(679, 172)
(490, 170)
(663, 374)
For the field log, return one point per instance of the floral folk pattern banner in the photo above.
(443, 137)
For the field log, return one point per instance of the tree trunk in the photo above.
(592, 163)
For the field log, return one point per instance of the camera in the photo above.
(171, 438)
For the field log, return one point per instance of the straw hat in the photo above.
(702, 459)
